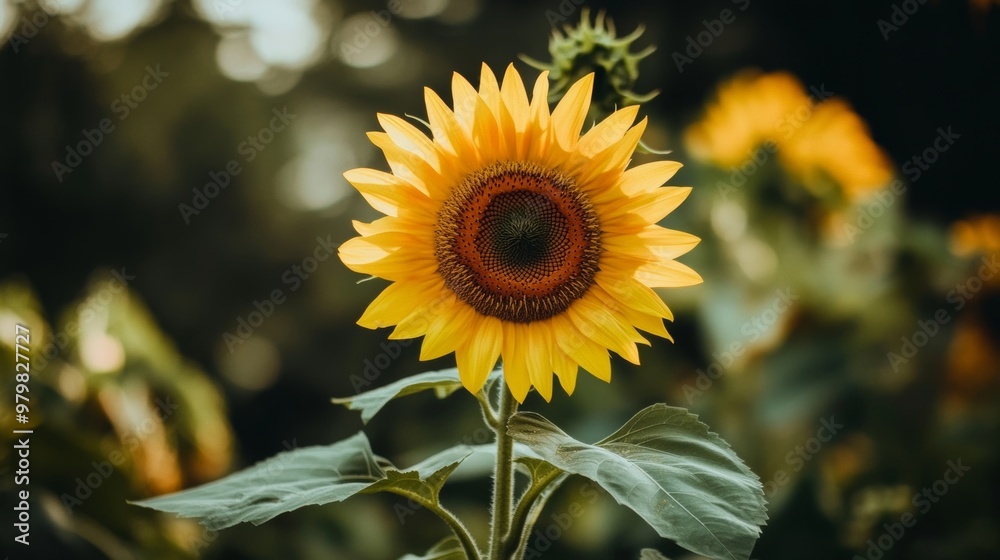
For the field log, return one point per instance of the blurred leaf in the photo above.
(665, 465)
(444, 383)
(448, 549)
(650, 554)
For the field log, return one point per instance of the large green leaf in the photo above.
(443, 383)
(307, 476)
(665, 465)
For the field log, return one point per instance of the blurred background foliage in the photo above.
(171, 179)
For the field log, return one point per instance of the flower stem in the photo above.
(528, 508)
(503, 476)
(463, 534)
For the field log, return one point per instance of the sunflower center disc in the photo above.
(518, 241)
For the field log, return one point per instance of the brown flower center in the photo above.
(518, 241)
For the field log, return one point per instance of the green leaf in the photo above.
(289, 480)
(308, 476)
(444, 383)
(448, 549)
(651, 554)
(665, 465)
(423, 482)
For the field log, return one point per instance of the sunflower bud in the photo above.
(578, 51)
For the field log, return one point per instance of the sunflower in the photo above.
(509, 235)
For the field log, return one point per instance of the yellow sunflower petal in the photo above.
(395, 303)
(571, 112)
(645, 178)
(632, 293)
(478, 356)
(424, 312)
(515, 365)
(388, 193)
(565, 369)
(589, 354)
(465, 98)
(607, 133)
(667, 274)
(446, 129)
(447, 331)
(604, 327)
(515, 98)
(539, 357)
(489, 90)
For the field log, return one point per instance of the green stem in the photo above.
(489, 415)
(529, 507)
(460, 530)
(464, 537)
(503, 476)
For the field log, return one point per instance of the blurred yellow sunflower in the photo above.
(817, 138)
(509, 235)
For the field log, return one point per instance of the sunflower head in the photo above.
(510, 235)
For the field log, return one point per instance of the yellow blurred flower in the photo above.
(834, 143)
(817, 138)
(748, 111)
(979, 234)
